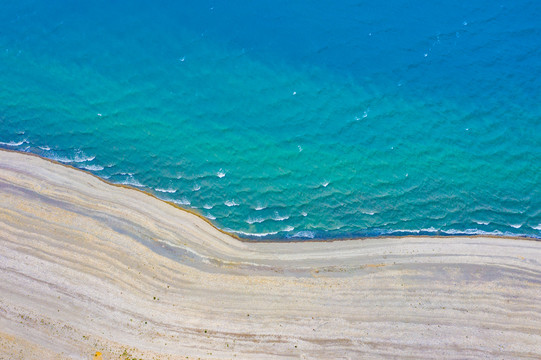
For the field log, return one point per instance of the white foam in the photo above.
(231, 203)
(170, 191)
(304, 234)
(78, 158)
(300, 148)
(325, 184)
(538, 227)
(182, 201)
(196, 187)
(516, 226)
(13, 143)
(304, 213)
(288, 228)
(208, 207)
(365, 113)
(46, 148)
(482, 222)
(252, 234)
(259, 207)
(132, 182)
(210, 216)
(220, 173)
(277, 217)
(255, 220)
(92, 167)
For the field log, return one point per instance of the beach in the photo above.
(87, 266)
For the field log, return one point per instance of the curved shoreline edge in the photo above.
(86, 267)
(262, 239)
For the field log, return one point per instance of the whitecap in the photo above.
(182, 201)
(78, 158)
(170, 191)
(277, 217)
(300, 148)
(251, 234)
(482, 222)
(251, 220)
(208, 207)
(13, 143)
(196, 187)
(304, 234)
(516, 226)
(365, 113)
(288, 228)
(220, 173)
(92, 167)
(46, 148)
(210, 216)
(231, 203)
(304, 213)
(325, 183)
(260, 207)
(538, 227)
(132, 182)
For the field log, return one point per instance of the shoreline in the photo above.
(267, 238)
(87, 267)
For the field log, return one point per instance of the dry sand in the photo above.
(86, 266)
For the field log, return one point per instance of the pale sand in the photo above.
(86, 266)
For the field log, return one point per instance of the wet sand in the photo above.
(86, 266)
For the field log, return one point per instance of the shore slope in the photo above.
(86, 266)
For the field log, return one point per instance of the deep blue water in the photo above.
(289, 119)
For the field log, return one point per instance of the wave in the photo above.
(220, 173)
(538, 227)
(78, 158)
(247, 234)
(132, 182)
(258, 220)
(182, 201)
(304, 234)
(46, 148)
(277, 217)
(231, 203)
(210, 217)
(196, 187)
(13, 143)
(208, 207)
(259, 207)
(453, 232)
(482, 222)
(92, 167)
(170, 191)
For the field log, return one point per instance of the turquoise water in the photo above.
(289, 120)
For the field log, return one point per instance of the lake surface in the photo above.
(290, 120)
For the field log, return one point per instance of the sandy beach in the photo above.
(89, 267)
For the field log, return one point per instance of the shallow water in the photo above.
(289, 120)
